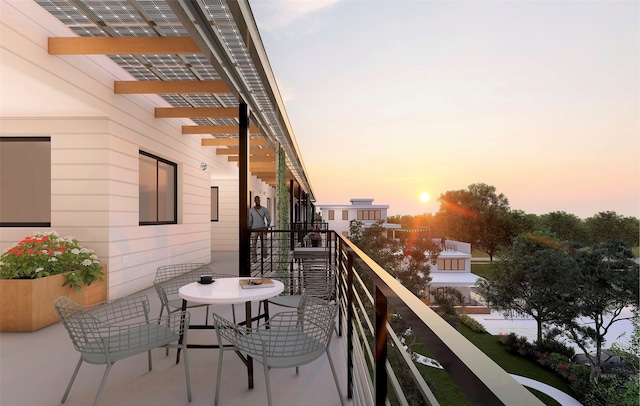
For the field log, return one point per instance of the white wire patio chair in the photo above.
(316, 279)
(107, 332)
(288, 339)
(170, 278)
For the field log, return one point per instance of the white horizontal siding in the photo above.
(96, 137)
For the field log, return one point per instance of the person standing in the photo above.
(443, 243)
(259, 220)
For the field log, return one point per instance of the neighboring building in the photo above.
(339, 216)
(453, 269)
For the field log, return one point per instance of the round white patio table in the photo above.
(227, 291)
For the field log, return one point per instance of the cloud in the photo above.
(276, 15)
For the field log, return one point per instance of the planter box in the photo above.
(27, 304)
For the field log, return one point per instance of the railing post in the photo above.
(340, 289)
(349, 324)
(380, 326)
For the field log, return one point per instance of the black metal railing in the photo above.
(383, 323)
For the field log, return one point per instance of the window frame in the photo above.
(215, 216)
(175, 191)
(47, 198)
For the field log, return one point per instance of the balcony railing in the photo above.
(382, 322)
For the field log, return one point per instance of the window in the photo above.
(369, 214)
(214, 203)
(332, 215)
(25, 181)
(158, 190)
(345, 214)
(455, 264)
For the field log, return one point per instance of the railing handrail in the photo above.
(479, 378)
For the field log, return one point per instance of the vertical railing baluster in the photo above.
(349, 324)
(380, 337)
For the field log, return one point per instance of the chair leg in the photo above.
(149, 357)
(73, 378)
(186, 371)
(335, 377)
(104, 380)
(221, 353)
(267, 383)
(233, 312)
(168, 312)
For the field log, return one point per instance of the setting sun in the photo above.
(424, 197)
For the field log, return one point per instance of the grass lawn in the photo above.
(514, 364)
(480, 269)
(448, 393)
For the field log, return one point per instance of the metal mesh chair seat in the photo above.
(125, 341)
(288, 339)
(107, 332)
(285, 349)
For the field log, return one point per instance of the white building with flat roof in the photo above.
(339, 216)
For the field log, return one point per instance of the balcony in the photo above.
(372, 365)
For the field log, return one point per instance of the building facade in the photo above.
(339, 216)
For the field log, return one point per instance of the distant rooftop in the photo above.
(361, 202)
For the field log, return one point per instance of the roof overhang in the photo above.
(204, 57)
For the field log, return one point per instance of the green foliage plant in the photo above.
(472, 323)
(46, 254)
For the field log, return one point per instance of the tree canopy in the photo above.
(605, 282)
(479, 216)
(528, 279)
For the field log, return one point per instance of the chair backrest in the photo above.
(318, 279)
(300, 335)
(88, 325)
(170, 278)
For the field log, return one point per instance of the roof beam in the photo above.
(259, 158)
(253, 151)
(216, 129)
(196, 112)
(122, 45)
(170, 87)
(232, 142)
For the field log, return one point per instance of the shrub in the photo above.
(579, 380)
(612, 390)
(472, 323)
(517, 345)
(550, 345)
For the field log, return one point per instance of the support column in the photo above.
(291, 206)
(244, 200)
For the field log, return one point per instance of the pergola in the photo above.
(205, 58)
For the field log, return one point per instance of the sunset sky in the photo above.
(390, 99)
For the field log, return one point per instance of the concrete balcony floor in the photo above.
(35, 369)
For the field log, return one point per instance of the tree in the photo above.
(608, 226)
(374, 241)
(566, 227)
(528, 279)
(419, 253)
(447, 298)
(478, 216)
(605, 282)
